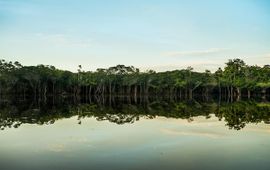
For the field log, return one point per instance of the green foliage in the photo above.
(43, 80)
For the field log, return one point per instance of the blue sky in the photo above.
(154, 34)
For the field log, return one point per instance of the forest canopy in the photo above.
(235, 79)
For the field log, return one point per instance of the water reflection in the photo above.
(122, 110)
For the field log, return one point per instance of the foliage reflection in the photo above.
(121, 110)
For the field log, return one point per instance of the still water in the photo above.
(134, 134)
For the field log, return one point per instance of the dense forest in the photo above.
(235, 80)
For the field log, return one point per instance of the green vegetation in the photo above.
(121, 110)
(235, 80)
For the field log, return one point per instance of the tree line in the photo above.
(236, 79)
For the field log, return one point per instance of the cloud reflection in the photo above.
(200, 133)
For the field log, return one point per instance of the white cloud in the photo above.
(197, 65)
(64, 40)
(196, 53)
(267, 56)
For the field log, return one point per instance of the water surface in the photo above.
(124, 134)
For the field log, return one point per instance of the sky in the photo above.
(153, 34)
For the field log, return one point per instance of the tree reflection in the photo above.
(238, 114)
(122, 110)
